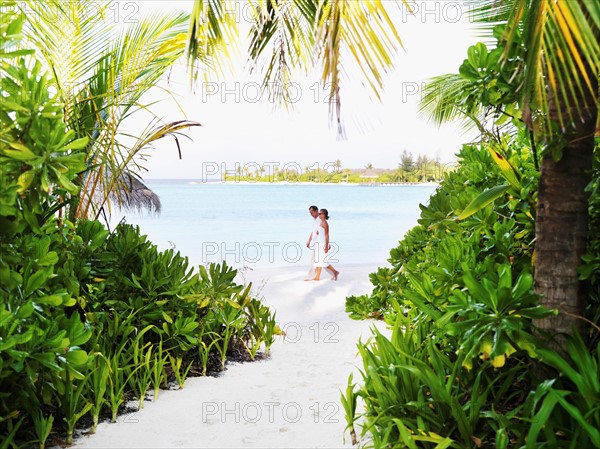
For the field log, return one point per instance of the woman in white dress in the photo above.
(321, 247)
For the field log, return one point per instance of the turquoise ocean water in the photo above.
(268, 225)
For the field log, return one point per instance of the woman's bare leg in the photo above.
(335, 272)
(318, 274)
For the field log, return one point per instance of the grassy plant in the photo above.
(43, 426)
(252, 346)
(117, 384)
(204, 348)
(233, 320)
(252, 336)
(158, 375)
(567, 408)
(13, 428)
(349, 401)
(267, 325)
(75, 405)
(176, 366)
(98, 385)
(143, 376)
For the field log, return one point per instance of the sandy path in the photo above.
(288, 401)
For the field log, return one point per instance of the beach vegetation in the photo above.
(102, 81)
(542, 76)
(90, 319)
(494, 341)
(462, 365)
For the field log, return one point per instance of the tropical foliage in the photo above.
(91, 319)
(101, 74)
(335, 36)
(461, 367)
(544, 73)
(471, 360)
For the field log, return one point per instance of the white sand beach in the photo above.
(290, 400)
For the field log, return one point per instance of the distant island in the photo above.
(408, 171)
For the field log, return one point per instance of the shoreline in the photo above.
(289, 183)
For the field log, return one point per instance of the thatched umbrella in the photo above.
(103, 188)
(133, 194)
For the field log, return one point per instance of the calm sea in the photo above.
(256, 225)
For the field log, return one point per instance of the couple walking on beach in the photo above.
(320, 239)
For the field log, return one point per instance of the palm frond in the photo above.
(136, 59)
(211, 34)
(126, 69)
(132, 194)
(445, 99)
(108, 185)
(303, 33)
(362, 30)
(283, 28)
(70, 36)
(562, 60)
(451, 97)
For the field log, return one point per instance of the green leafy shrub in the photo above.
(90, 319)
(461, 368)
(441, 246)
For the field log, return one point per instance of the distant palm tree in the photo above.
(369, 166)
(101, 77)
(338, 165)
(347, 173)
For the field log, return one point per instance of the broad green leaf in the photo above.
(14, 340)
(523, 285)
(36, 280)
(506, 168)
(483, 200)
(52, 300)
(25, 180)
(12, 106)
(50, 258)
(77, 144)
(19, 152)
(77, 332)
(76, 357)
(25, 310)
(65, 183)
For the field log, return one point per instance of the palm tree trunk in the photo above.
(561, 227)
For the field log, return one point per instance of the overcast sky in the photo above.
(239, 126)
